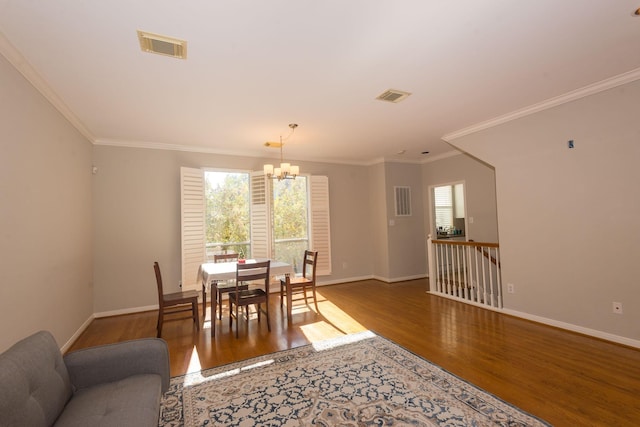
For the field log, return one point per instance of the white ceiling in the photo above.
(255, 66)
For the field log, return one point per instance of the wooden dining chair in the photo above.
(299, 285)
(177, 302)
(257, 273)
(223, 287)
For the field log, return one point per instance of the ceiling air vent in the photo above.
(162, 45)
(393, 95)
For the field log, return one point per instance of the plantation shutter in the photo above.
(320, 229)
(261, 230)
(193, 225)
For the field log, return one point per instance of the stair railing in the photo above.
(465, 271)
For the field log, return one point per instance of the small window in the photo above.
(443, 203)
(403, 201)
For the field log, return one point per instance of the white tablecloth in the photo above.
(211, 271)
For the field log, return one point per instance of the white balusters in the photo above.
(467, 271)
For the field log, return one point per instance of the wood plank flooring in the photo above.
(564, 378)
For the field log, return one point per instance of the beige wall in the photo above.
(568, 218)
(378, 216)
(137, 220)
(45, 216)
(407, 255)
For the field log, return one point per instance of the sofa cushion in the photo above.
(34, 382)
(133, 401)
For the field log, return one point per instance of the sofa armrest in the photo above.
(112, 362)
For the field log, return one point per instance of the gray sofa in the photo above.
(113, 385)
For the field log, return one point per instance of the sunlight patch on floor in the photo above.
(335, 322)
(194, 361)
(319, 331)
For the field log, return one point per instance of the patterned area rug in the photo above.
(356, 380)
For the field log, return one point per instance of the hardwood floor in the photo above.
(564, 378)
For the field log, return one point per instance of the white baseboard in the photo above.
(75, 336)
(539, 319)
(345, 280)
(574, 328)
(273, 289)
(552, 322)
(125, 311)
(399, 279)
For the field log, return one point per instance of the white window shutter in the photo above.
(193, 225)
(320, 226)
(261, 230)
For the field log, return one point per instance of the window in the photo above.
(448, 208)
(227, 213)
(443, 203)
(252, 215)
(290, 220)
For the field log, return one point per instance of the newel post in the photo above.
(431, 265)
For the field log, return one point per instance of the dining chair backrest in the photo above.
(176, 302)
(254, 272)
(156, 268)
(225, 257)
(309, 262)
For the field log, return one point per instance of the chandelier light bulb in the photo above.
(286, 170)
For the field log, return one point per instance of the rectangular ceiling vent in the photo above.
(393, 95)
(162, 45)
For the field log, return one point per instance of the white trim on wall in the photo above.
(591, 89)
(574, 328)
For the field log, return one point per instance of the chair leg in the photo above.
(289, 302)
(196, 317)
(213, 316)
(237, 321)
(268, 319)
(315, 300)
(281, 293)
(204, 301)
(159, 325)
(219, 302)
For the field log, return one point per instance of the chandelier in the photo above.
(286, 170)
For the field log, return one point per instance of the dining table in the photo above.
(209, 273)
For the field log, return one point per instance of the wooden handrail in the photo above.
(469, 243)
(478, 245)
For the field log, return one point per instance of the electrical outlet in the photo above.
(511, 288)
(617, 307)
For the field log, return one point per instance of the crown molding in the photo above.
(169, 147)
(442, 156)
(582, 92)
(23, 66)
(209, 150)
